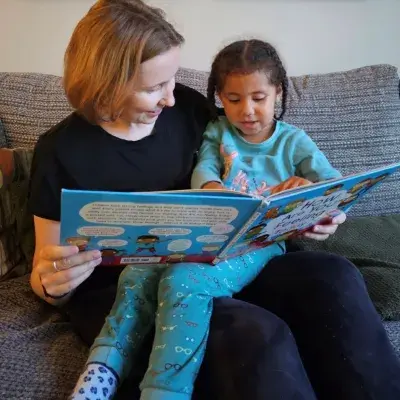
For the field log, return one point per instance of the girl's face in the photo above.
(153, 89)
(249, 103)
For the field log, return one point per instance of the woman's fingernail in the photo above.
(96, 255)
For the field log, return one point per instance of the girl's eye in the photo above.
(234, 100)
(259, 99)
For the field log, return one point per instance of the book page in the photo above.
(295, 212)
(145, 228)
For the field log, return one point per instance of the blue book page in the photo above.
(292, 213)
(140, 228)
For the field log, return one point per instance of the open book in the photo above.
(201, 225)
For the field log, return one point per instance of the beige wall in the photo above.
(312, 35)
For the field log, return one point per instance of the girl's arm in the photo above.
(208, 168)
(310, 162)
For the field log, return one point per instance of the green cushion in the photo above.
(373, 245)
(16, 225)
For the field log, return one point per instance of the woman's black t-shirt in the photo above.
(78, 155)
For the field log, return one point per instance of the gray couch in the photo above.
(354, 117)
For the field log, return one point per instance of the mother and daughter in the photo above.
(134, 129)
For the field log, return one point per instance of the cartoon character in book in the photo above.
(147, 243)
(81, 242)
(108, 253)
(256, 230)
(261, 242)
(272, 213)
(361, 187)
(291, 206)
(348, 201)
(333, 189)
(378, 179)
(287, 235)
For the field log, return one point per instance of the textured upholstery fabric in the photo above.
(16, 228)
(3, 142)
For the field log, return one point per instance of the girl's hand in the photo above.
(213, 185)
(291, 183)
(322, 232)
(61, 269)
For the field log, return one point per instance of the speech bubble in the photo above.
(169, 231)
(179, 245)
(210, 248)
(137, 214)
(221, 229)
(112, 243)
(212, 238)
(101, 231)
(306, 214)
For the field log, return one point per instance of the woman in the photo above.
(318, 336)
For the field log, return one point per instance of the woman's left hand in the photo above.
(322, 232)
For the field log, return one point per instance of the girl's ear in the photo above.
(279, 93)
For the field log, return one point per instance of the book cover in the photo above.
(294, 212)
(142, 228)
(201, 225)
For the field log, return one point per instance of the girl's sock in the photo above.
(97, 382)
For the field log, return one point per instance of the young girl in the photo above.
(248, 150)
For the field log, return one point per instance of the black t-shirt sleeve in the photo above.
(197, 110)
(45, 187)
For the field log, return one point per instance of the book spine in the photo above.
(221, 256)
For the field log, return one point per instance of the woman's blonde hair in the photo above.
(105, 52)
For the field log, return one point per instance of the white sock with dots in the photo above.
(97, 382)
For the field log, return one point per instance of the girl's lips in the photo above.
(248, 123)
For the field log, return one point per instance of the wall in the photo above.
(312, 35)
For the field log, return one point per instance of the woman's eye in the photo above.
(154, 89)
(234, 100)
(259, 99)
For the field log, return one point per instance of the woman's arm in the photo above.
(58, 270)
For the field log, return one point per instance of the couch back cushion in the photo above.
(354, 117)
(30, 104)
(16, 227)
(3, 141)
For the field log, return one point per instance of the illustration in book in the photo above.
(201, 225)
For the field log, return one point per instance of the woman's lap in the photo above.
(339, 335)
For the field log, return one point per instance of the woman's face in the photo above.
(154, 88)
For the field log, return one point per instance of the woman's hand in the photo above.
(213, 185)
(291, 183)
(322, 232)
(61, 269)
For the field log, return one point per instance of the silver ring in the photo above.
(55, 266)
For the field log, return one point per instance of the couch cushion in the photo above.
(3, 142)
(16, 227)
(372, 244)
(29, 105)
(354, 116)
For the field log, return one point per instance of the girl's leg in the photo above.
(340, 335)
(186, 293)
(129, 321)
